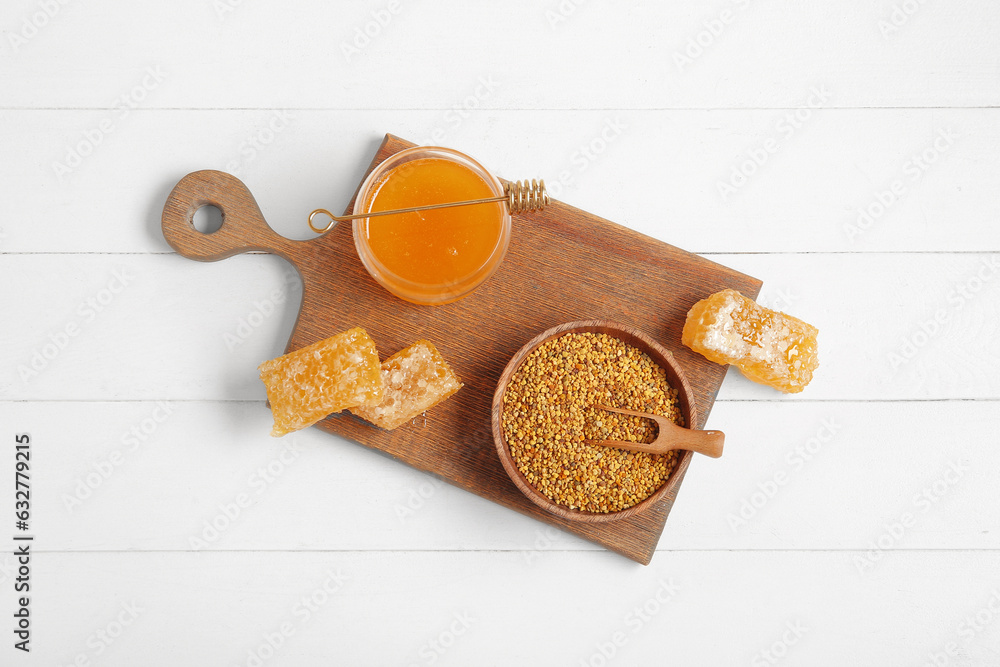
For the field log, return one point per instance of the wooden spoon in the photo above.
(669, 436)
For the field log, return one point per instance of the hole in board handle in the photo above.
(207, 219)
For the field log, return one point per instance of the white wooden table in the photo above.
(846, 153)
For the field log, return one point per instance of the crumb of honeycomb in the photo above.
(416, 379)
(306, 385)
(768, 346)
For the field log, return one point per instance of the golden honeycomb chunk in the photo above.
(306, 385)
(768, 346)
(416, 379)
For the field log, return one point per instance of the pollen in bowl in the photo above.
(447, 246)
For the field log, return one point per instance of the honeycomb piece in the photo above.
(308, 384)
(769, 347)
(416, 379)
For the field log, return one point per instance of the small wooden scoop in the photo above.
(669, 436)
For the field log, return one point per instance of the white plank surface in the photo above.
(128, 482)
(893, 326)
(855, 523)
(430, 56)
(814, 174)
(399, 608)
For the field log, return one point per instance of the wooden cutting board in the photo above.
(563, 264)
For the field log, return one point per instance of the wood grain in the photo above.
(563, 264)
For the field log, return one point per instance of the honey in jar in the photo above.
(439, 255)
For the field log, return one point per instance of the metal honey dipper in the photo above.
(521, 197)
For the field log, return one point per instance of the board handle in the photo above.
(243, 226)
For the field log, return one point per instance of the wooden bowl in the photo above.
(635, 338)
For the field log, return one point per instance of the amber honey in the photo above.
(439, 255)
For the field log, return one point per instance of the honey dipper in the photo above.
(520, 196)
(669, 436)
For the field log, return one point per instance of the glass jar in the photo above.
(437, 256)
